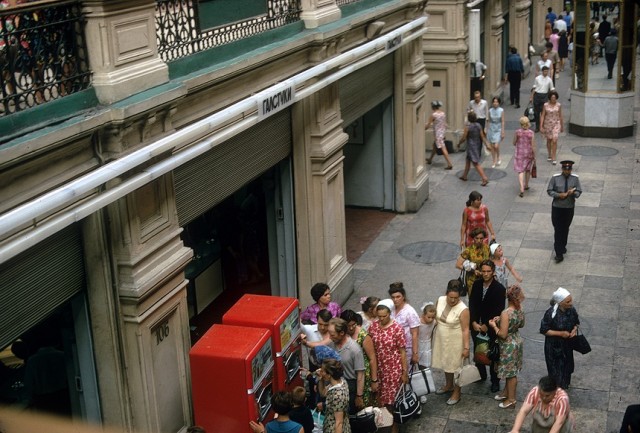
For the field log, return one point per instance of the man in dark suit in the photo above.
(603, 31)
(487, 300)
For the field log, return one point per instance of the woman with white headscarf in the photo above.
(560, 324)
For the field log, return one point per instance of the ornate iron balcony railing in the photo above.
(179, 33)
(43, 55)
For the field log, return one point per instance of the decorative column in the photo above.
(412, 182)
(318, 12)
(319, 194)
(519, 31)
(445, 57)
(149, 259)
(121, 44)
(493, 49)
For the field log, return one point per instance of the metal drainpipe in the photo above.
(34, 209)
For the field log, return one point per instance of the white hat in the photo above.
(494, 246)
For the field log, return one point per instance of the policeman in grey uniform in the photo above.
(565, 189)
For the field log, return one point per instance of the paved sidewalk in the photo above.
(601, 270)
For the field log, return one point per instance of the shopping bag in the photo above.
(364, 421)
(406, 404)
(421, 380)
(318, 421)
(481, 349)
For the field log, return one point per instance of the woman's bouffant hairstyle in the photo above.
(471, 117)
(513, 296)
(397, 287)
(333, 368)
(318, 290)
(454, 286)
(473, 196)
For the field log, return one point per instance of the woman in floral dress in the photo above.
(525, 154)
(552, 124)
(439, 121)
(389, 341)
(336, 406)
(471, 257)
(362, 337)
(507, 327)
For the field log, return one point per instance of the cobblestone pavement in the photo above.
(601, 270)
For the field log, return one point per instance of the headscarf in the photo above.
(387, 303)
(493, 247)
(558, 296)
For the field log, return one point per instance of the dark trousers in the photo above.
(353, 390)
(476, 84)
(483, 368)
(561, 219)
(611, 59)
(514, 87)
(538, 102)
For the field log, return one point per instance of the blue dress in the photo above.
(495, 124)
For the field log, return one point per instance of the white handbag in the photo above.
(421, 380)
(466, 374)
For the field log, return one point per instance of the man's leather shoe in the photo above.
(559, 258)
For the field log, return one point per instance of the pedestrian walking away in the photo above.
(565, 188)
(514, 69)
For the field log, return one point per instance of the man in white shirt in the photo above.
(480, 107)
(478, 70)
(542, 85)
(560, 24)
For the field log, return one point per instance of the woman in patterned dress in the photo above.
(495, 130)
(389, 341)
(552, 124)
(474, 215)
(472, 256)
(362, 337)
(451, 338)
(407, 317)
(525, 154)
(439, 121)
(507, 327)
(336, 406)
(474, 136)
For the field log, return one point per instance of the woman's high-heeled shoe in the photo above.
(506, 405)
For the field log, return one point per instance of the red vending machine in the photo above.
(232, 378)
(282, 317)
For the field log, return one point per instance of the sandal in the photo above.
(441, 391)
(484, 182)
(464, 179)
(526, 188)
(521, 194)
(450, 167)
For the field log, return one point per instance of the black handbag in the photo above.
(463, 283)
(406, 405)
(494, 351)
(580, 344)
(363, 421)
